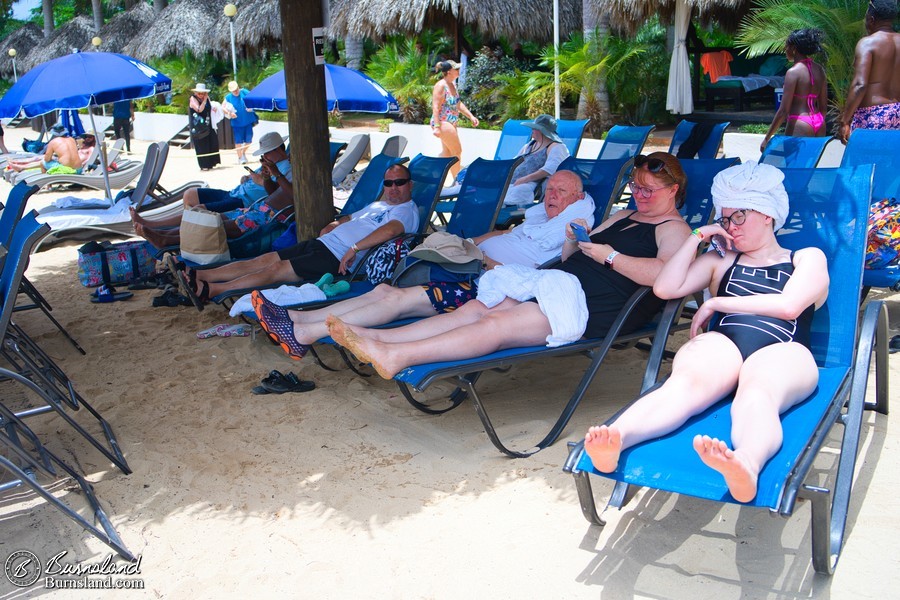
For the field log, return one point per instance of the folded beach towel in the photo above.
(559, 296)
(67, 202)
(286, 295)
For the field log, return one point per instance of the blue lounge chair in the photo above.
(710, 147)
(28, 359)
(466, 373)
(12, 212)
(882, 149)
(831, 209)
(334, 149)
(513, 136)
(784, 151)
(624, 141)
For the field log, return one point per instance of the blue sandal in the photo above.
(107, 293)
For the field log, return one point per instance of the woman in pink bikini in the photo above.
(805, 90)
(445, 109)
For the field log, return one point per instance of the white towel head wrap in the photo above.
(752, 185)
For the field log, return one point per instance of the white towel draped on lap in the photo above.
(559, 297)
(285, 295)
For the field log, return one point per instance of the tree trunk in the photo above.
(159, 5)
(129, 4)
(594, 103)
(47, 6)
(353, 52)
(307, 118)
(97, 10)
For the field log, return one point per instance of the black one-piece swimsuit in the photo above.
(751, 332)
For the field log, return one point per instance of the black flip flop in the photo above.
(287, 383)
(106, 294)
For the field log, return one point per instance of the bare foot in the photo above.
(149, 235)
(136, 218)
(739, 478)
(361, 347)
(604, 445)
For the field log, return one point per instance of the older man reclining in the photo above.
(339, 245)
(539, 239)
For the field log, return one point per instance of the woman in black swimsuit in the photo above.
(762, 305)
(626, 251)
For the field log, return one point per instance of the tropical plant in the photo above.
(405, 67)
(481, 82)
(766, 27)
(637, 88)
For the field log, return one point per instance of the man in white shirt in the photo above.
(339, 245)
(539, 239)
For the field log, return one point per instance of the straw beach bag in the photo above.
(203, 238)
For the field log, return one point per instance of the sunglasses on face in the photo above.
(737, 218)
(398, 182)
(644, 192)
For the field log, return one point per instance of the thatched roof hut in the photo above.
(516, 20)
(71, 36)
(24, 40)
(629, 15)
(124, 27)
(185, 25)
(257, 25)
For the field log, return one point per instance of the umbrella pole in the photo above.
(102, 141)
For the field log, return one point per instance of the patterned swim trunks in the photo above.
(447, 297)
(251, 218)
(880, 116)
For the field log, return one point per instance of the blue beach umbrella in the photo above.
(345, 89)
(80, 80)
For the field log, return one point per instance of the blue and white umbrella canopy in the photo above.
(345, 89)
(79, 80)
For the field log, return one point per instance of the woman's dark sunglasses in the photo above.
(397, 182)
(654, 165)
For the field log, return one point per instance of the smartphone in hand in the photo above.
(718, 244)
(249, 170)
(580, 232)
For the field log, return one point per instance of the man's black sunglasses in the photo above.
(397, 182)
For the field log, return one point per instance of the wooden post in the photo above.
(307, 118)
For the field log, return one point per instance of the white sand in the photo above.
(347, 491)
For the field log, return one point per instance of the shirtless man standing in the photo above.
(873, 101)
(60, 151)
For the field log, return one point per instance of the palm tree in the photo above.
(47, 8)
(766, 27)
(97, 10)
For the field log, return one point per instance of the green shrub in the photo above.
(754, 128)
(481, 84)
(637, 91)
(384, 125)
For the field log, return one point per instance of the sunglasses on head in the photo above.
(398, 182)
(654, 165)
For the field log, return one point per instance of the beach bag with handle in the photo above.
(105, 263)
(203, 238)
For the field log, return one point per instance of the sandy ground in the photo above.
(347, 491)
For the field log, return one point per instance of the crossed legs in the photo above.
(382, 305)
(472, 330)
(705, 370)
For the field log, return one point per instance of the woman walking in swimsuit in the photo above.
(445, 109)
(763, 301)
(805, 90)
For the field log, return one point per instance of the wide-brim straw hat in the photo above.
(201, 87)
(443, 247)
